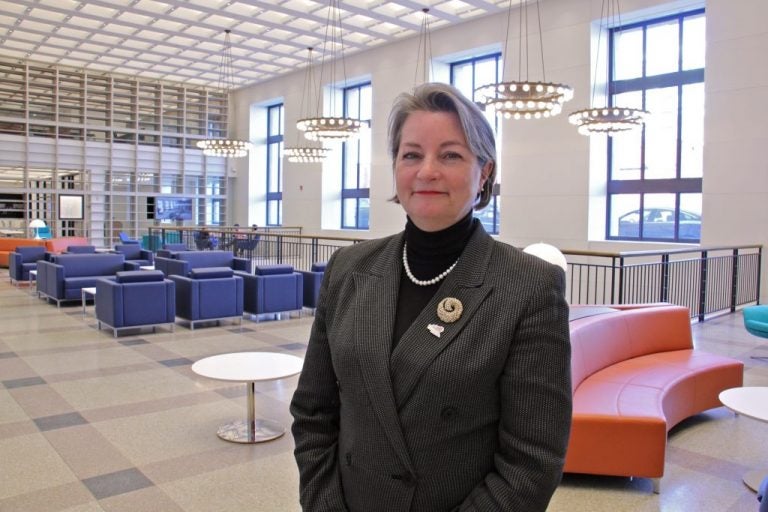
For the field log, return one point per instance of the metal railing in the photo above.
(706, 280)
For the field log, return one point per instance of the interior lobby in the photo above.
(95, 422)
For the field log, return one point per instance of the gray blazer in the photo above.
(476, 419)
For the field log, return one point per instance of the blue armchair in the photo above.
(22, 260)
(273, 289)
(312, 280)
(134, 253)
(125, 239)
(134, 299)
(209, 294)
(171, 250)
(185, 261)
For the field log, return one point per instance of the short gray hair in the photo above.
(437, 97)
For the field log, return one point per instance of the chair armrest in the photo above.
(243, 264)
(175, 267)
(131, 265)
(147, 255)
(109, 306)
(187, 296)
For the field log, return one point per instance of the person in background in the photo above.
(437, 374)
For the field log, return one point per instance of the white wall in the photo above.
(549, 192)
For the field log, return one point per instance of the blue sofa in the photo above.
(134, 253)
(312, 280)
(272, 289)
(185, 261)
(134, 299)
(81, 249)
(62, 278)
(209, 294)
(22, 260)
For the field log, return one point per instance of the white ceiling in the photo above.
(184, 40)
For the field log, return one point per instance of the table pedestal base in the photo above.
(263, 430)
(754, 478)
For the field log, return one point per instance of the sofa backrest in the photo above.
(602, 340)
(59, 245)
(199, 259)
(131, 251)
(79, 265)
(175, 247)
(31, 253)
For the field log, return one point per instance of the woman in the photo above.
(437, 376)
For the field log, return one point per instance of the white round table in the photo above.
(753, 403)
(249, 367)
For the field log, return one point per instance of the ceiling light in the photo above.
(524, 98)
(610, 119)
(299, 153)
(228, 148)
(321, 127)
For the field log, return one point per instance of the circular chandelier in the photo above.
(305, 155)
(608, 120)
(329, 128)
(525, 100)
(224, 147)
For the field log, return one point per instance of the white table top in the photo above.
(248, 366)
(90, 290)
(748, 401)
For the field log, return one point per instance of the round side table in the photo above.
(249, 367)
(753, 403)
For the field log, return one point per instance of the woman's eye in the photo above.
(452, 156)
(410, 155)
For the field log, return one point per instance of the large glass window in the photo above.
(655, 174)
(467, 75)
(356, 161)
(274, 165)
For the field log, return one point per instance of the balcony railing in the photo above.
(706, 280)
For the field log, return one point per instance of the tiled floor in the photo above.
(93, 423)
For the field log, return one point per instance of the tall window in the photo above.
(655, 174)
(356, 161)
(466, 76)
(275, 165)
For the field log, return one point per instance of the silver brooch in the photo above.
(435, 329)
(449, 310)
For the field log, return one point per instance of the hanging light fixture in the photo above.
(331, 127)
(610, 119)
(230, 148)
(524, 98)
(299, 153)
(423, 52)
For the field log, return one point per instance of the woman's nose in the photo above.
(429, 168)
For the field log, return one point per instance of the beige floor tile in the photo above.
(86, 451)
(10, 410)
(85, 360)
(36, 466)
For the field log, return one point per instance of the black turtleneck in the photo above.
(429, 254)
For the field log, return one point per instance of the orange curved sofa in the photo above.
(636, 375)
(59, 245)
(9, 245)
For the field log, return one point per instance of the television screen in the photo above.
(173, 208)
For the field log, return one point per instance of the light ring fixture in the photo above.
(224, 147)
(525, 100)
(305, 155)
(608, 120)
(330, 128)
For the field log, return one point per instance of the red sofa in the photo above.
(9, 245)
(636, 375)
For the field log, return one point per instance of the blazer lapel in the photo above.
(376, 293)
(418, 347)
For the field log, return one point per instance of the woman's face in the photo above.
(438, 178)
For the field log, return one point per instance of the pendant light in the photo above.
(332, 128)
(609, 119)
(423, 52)
(303, 153)
(524, 98)
(229, 148)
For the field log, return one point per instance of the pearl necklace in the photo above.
(427, 282)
